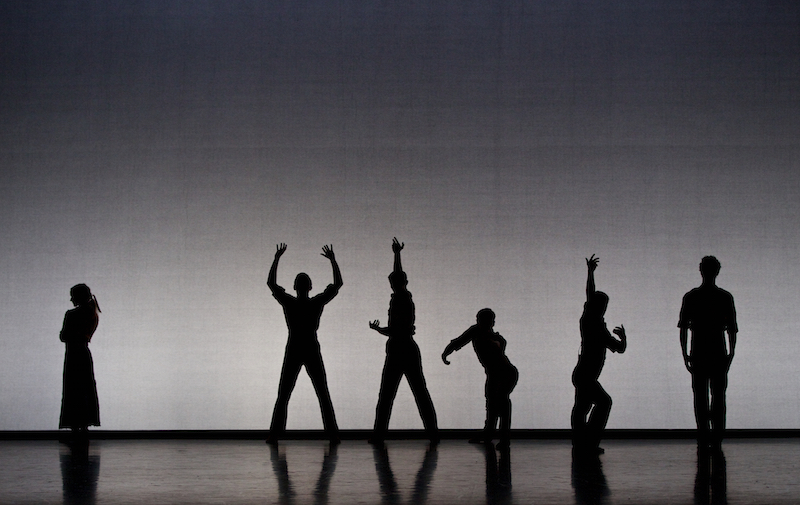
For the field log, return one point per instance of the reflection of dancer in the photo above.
(285, 488)
(302, 348)
(402, 356)
(592, 403)
(501, 375)
(711, 481)
(709, 312)
(79, 407)
(388, 486)
(80, 471)
(588, 479)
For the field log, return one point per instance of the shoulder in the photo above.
(280, 294)
(330, 291)
(723, 293)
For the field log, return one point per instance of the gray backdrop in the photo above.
(158, 150)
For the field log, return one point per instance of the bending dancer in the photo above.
(302, 348)
(709, 312)
(501, 375)
(79, 406)
(592, 403)
(402, 357)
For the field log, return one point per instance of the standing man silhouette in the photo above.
(592, 403)
(709, 312)
(302, 347)
(402, 357)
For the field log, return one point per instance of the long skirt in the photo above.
(79, 407)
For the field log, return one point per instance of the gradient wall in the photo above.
(158, 150)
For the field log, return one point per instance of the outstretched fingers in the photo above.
(327, 251)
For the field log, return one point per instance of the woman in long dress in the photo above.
(79, 407)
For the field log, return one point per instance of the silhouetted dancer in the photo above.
(402, 357)
(501, 375)
(711, 481)
(302, 347)
(422, 483)
(285, 488)
(588, 479)
(709, 312)
(79, 406)
(592, 403)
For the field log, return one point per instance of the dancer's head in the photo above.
(80, 294)
(485, 318)
(709, 268)
(398, 280)
(302, 283)
(598, 304)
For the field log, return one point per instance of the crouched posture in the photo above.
(501, 375)
(592, 403)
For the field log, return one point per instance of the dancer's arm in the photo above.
(376, 325)
(456, 344)
(396, 248)
(272, 279)
(327, 251)
(591, 264)
(621, 344)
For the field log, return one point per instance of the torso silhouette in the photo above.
(708, 311)
(401, 316)
(79, 325)
(595, 339)
(303, 314)
(490, 347)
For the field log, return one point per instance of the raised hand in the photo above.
(280, 249)
(592, 263)
(620, 332)
(376, 324)
(397, 246)
(327, 251)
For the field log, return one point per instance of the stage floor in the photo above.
(751, 471)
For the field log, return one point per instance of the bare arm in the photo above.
(327, 251)
(621, 344)
(731, 345)
(456, 344)
(591, 264)
(272, 279)
(376, 325)
(396, 248)
(684, 348)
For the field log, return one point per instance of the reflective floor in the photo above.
(763, 471)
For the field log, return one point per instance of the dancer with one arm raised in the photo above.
(592, 403)
(402, 357)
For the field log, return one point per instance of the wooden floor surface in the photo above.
(749, 471)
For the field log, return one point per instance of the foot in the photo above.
(272, 440)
